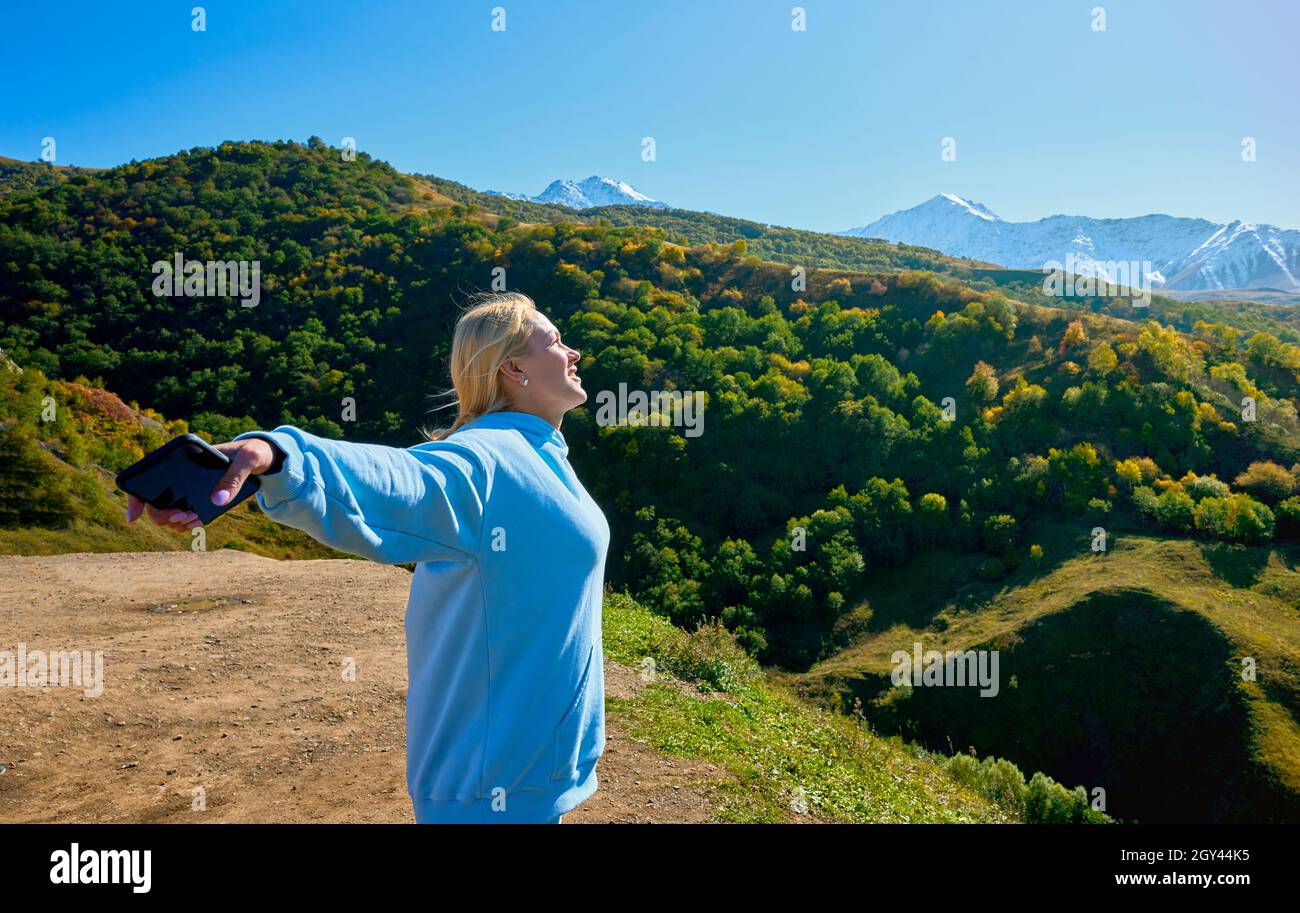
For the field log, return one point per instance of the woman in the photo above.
(505, 707)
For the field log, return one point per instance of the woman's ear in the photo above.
(513, 373)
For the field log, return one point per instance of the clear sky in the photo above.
(826, 129)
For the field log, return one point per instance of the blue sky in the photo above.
(824, 129)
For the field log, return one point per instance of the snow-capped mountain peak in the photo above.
(1169, 252)
(975, 209)
(593, 191)
(564, 193)
(607, 191)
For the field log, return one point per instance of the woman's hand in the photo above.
(251, 456)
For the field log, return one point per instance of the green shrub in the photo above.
(1176, 510)
(1000, 531)
(1146, 501)
(1238, 518)
(710, 656)
(964, 769)
(1041, 801)
(992, 569)
(1048, 802)
(1205, 487)
(1287, 515)
(1003, 782)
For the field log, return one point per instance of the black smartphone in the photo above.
(180, 475)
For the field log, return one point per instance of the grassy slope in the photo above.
(774, 746)
(66, 459)
(1249, 594)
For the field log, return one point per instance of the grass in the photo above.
(1249, 594)
(777, 752)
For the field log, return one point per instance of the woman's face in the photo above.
(552, 370)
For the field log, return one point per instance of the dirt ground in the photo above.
(225, 697)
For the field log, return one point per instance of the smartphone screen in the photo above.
(183, 479)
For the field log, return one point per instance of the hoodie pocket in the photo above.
(580, 736)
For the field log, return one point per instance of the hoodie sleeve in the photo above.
(387, 504)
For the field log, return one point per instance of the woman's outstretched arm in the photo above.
(387, 504)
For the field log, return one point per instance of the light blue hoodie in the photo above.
(505, 707)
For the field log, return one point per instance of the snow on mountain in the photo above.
(976, 209)
(594, 191)
(1172, 253)
(563, 193)
(508, 195)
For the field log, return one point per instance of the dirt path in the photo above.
(224, 687)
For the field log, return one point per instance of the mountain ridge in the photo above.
(1174, 252)
(590, 192)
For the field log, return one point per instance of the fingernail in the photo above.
(176, 517)
(221, 497)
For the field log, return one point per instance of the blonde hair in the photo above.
(495, 327)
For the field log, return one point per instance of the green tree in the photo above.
(1102, 360)
(982, 385)
(1176, 510)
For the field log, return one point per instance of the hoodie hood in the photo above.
(536, 429)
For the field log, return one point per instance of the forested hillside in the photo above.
(818, 249)
(17, 176)
(691, 229)
(886, 419)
